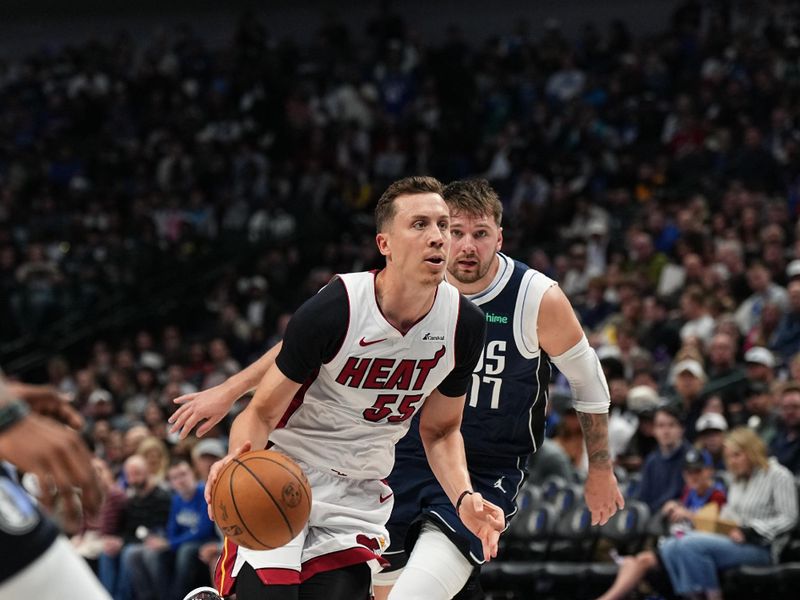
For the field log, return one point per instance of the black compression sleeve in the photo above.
(470, 337)
(315, 332)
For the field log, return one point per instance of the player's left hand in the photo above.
(485, 520)
(602, 494)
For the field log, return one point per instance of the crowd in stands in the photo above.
(656, 177)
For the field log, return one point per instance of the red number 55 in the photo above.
(384, 406)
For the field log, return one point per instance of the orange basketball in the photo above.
(261, 500)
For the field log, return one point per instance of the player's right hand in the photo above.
(58, 457)
(485, 520)
(216, 469)
(210, 406)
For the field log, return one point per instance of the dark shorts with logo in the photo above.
(420, 498)
(25, 533)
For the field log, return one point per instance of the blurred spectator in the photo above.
(204, 454)
(785, 445)
(661, 472)
(569, 439)
(699, 490)
(90, 541)
(156, 455)
(725, 376)
(642, 443)
(711, 428)
(786, 340)
(169, 564)
(749, 313)
(146, 512)
(688, 379)
(699, 324)
(760, 408)
(760, 365)
(762, 505)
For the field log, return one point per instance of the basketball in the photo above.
(261, 500)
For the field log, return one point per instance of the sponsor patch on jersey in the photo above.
(18, 515)
(433, 336)
(495, 318)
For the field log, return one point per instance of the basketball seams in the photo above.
(263, 487)
(305, 485)
(236, 507)
(288, 502)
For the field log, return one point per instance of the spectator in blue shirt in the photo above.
(170, 566)
(662, 477)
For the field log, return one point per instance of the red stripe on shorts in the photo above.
(338, 560)
(223, 578)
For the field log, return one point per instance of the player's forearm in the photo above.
(249, 378)
(595, 435)
(448, 462)
(249, 427)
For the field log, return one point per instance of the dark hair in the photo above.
(179, 460)
(474, 197)
(384, 210)
(673, 411)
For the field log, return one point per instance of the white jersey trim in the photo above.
(526, 312)
(498, 284)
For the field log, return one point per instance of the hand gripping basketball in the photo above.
(260, 499)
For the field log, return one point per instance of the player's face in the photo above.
(417, 240)
(476, 241)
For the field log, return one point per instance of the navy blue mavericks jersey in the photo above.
(503, 420)
(504, 416)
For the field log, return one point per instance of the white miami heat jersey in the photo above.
(353, 411)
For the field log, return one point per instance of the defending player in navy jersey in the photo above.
(358, 361)
(529, 324)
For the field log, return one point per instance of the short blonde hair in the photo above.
(153, 443)
(748, 442)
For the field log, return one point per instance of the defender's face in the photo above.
(417, 241)
(476, 241)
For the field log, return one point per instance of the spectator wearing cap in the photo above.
(785, 445)
(762, 502)
(760, 365)
(761, 410)
(661, 472)
(711, 428)
(764, 290)
(700, 489)
(786, 340)
(623, 420)
(688, 379)
(205, 453)
(793, 270)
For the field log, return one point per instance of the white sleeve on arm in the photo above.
(582, 369)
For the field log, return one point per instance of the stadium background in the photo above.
(176, 179)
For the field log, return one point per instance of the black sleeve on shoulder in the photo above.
(470, 338)
(315, 332)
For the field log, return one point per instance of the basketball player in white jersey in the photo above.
(358, 360)
(38, 562)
